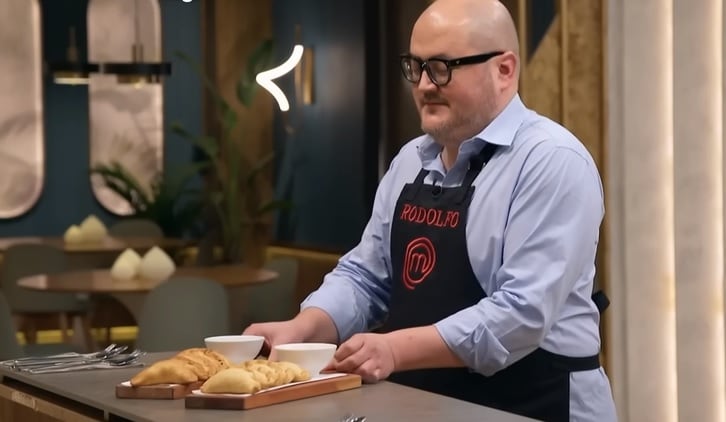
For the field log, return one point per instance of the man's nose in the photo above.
(425, 83)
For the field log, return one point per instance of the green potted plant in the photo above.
(238, 195)
(169, 201)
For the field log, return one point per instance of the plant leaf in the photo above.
(118, 179)
(260, 60)
(207, 144)
(176, 179)
(208, 84)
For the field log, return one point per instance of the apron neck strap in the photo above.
(476, 164)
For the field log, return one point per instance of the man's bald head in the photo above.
(487, 23)
(475, 92)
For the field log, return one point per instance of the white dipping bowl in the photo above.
(310, 356)
(236, 348)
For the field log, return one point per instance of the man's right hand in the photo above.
(310, 325)
(275, 333)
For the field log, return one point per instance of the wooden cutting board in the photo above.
(155, 392)
(275, 396)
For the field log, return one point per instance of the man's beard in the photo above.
(454, 130)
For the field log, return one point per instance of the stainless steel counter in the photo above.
(89, 395)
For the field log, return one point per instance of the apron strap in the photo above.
(601, 300)
(417, 183)
(476, 164)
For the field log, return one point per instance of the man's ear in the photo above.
(507, 66)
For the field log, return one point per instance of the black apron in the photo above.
(433, 279)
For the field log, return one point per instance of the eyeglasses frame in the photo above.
(449, 63)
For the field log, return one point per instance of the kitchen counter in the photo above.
(90, 396)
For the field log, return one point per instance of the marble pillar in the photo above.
(698, 205)
(640, 206)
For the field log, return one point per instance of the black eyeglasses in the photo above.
(439, 70)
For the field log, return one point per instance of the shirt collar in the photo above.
(500, 131)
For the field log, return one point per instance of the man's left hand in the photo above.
(368, 355)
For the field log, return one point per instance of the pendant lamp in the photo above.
(72, 71)
(137, 71)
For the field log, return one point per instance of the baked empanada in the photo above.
(298, 373)
(199, 354)
(201, 368)
(170, 371)
(232, 381)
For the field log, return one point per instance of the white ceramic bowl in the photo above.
(236, 348)
(311, 356)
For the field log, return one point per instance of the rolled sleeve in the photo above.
(550, 235)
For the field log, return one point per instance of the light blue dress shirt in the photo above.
(532, 234)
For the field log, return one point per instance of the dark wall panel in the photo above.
(323, 165)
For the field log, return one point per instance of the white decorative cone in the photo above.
(156, 265)
(131, 256)
(73, 235)
(126, 265)
(123, 270)
(93, 229)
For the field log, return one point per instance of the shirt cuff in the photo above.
(474, 344)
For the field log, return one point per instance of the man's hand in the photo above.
(312, 324)
(368, 355)
(275, 333)
(376, 356)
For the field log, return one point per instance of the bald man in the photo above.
(473, 277)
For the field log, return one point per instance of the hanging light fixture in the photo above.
(137, 71)
(72, 71)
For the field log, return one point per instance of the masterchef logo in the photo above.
(418, 262)
(429, 216)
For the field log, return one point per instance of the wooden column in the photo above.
(232, 29)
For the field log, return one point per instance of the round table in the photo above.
(82, 256)
(108, 244)
(132, 293)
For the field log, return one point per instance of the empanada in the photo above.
(211, 361)
(221, 360)
(298, 373)
(231, 381)
(272, 375)
(170, 371)
(201, 368)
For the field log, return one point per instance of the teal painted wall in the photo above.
(67, 198)
(327, 169)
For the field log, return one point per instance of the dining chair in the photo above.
(26, 305)
(109, 312)
(180, 312)
(10, 348)
(135, 227)
(274, 300)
